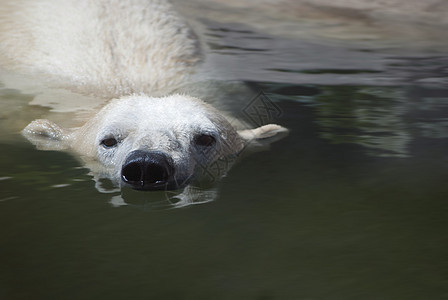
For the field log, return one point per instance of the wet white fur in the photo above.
(105, 47)
(127, 49)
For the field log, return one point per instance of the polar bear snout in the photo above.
(148, 170)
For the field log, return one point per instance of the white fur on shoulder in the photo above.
(112, 47)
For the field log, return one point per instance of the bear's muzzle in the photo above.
(148, 170)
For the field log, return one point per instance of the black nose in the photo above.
(147, 170)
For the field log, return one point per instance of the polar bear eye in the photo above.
(109, 142)
(204, 140)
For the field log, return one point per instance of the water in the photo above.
(351, 205)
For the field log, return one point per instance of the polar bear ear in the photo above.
(264, 135)
(46, 135)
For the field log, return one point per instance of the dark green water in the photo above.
(316, 217)
(352, 205)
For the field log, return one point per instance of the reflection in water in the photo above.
(368, 116)
(190, 195)
(384, 120)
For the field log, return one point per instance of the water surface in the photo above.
(352, 205)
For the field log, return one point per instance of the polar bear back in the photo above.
(105, 47)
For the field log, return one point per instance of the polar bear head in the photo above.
(151, 143)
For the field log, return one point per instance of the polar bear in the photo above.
(152, 143)
(105, 47)
(135, 52)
